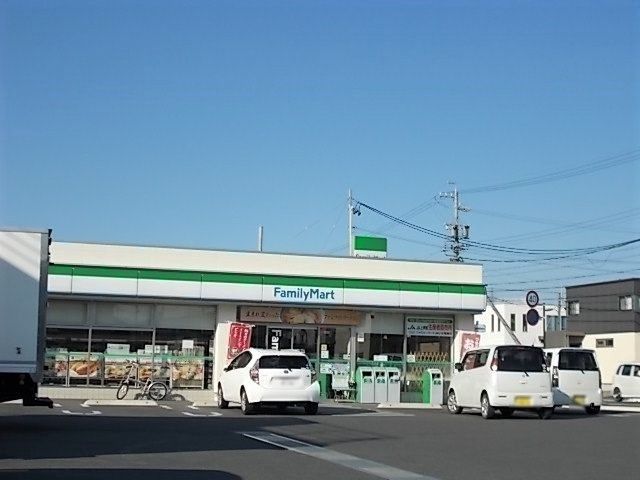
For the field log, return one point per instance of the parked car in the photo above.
(626, 381)
(575, 378)
(504, 378)
(280, 378)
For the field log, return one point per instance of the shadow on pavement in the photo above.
(109, 474)
(64, 436)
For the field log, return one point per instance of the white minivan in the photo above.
(504, 378)
(575, 378)
(626, 381)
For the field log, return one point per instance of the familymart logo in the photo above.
(304, 294)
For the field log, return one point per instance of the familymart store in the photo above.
(161, 306)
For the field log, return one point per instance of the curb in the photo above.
(120, 403)
(410, 406)
(610, 408)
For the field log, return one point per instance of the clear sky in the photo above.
(191, 123)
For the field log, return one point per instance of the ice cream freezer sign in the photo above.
(429, 327)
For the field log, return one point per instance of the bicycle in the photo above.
(153, 389)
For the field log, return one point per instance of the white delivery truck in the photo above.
(24, 263)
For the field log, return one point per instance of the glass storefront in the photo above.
(98, 339)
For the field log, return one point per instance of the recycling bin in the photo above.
(393, 385)
(380, 378)
(432, 386)
(364, 385)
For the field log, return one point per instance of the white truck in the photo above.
(24, 264)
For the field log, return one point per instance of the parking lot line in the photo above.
(349, 461)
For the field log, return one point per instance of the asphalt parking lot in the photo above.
(178, 441)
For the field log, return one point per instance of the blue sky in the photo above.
(191, 123)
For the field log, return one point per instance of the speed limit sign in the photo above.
(532, 298)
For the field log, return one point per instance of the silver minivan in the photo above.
(575, 378)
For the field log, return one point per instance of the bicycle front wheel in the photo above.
(123, 389)
(157, 391)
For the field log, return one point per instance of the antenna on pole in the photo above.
(260, 237)
(457, 231)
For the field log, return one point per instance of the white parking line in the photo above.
(57, 405)
(166, 407)
(92, 412)
(349, 461)
(192, 407)
(374, 414)
(211, 414)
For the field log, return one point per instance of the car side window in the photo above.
(469, 361)
(626, 370)
(548, 358)
(243, 360)
(637, 371)
(619, 372)
(481, 358)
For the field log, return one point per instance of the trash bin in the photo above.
(364, 385)
(380, 377)
(393, 387)
(432, 386)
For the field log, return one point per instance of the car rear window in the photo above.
(283, 361)
(520, 359)
(575, 360)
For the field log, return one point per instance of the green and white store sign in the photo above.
(372, 247)
(270, 289)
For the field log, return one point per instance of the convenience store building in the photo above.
(110, 303)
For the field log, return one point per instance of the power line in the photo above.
(609, 162)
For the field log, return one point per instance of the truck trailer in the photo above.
(24, 264)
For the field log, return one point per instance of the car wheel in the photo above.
(593, 409)
(506, 412)
(222, 403)
(311, 408)
(452, 404)
(485, 407)
(545, 413)
(617, 394)
(246, 407)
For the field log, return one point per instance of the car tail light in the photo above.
(254, 373)
(554, 377)
(494, 364)
(314, 376)
(599, 379)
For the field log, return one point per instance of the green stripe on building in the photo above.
(257, 279)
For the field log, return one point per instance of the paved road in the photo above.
(72, 442)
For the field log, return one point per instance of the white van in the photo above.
(626, 382)
(504, 378)
(575, 378)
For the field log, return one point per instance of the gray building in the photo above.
(608, 315)
(604, 307)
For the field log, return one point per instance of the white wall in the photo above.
(255, 262)
(626, 348)
(530, 337)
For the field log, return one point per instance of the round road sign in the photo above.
(532, 298)
(532, 317)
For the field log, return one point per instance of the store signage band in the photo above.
(429, 327)
(293, 294)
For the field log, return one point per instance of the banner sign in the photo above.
(290, 315)
(239, 339)
(470, 341)
(429, 327)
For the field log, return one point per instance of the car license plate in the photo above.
(287, 382)
(579, 399)
(523, 401)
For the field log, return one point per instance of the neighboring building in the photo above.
(110, 303)
(493, 332)
(608, 314)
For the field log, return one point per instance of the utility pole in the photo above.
(352, 208)
(350, 214)
(260, 237)
(458, 231)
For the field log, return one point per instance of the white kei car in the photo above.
(626, 381)
(280, 378)
(502, 378)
